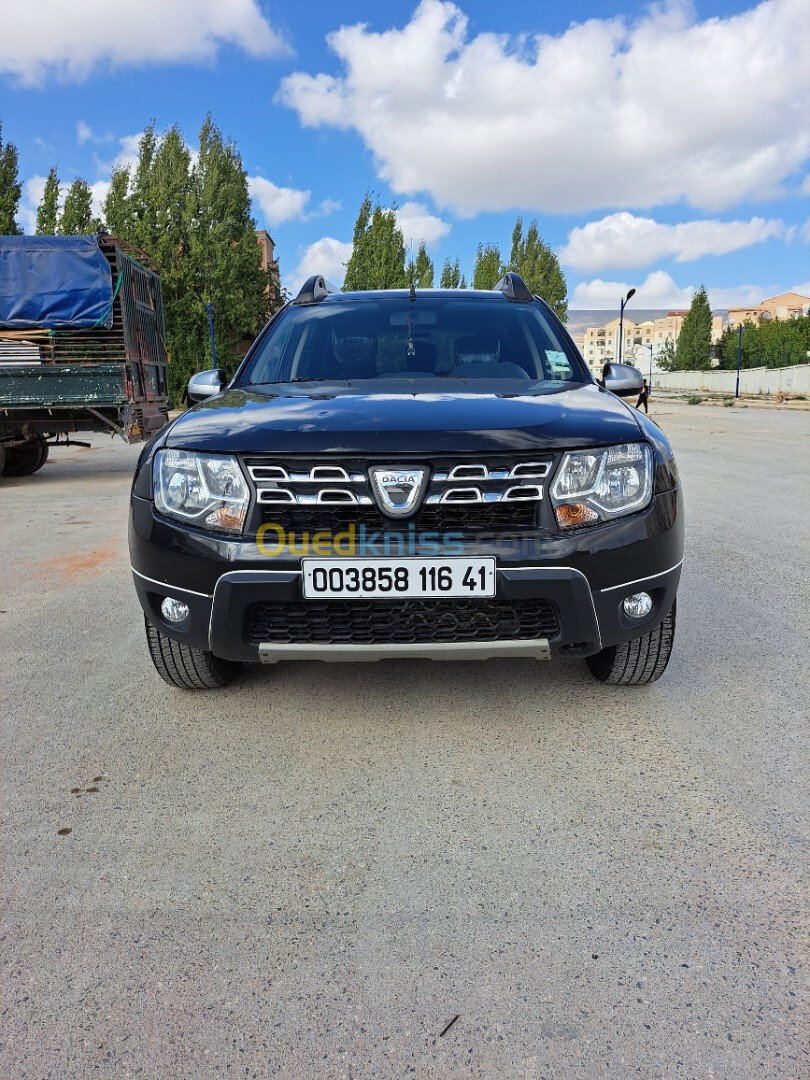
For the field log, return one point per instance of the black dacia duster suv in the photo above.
(423, 473)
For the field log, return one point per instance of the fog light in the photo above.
(175, 610)
(638, 605)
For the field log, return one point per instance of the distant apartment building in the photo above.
(641, 342)
(789, 305)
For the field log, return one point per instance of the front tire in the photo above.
(182, 665)
(638, 662)
(25, 460)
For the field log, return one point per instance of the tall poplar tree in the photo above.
(539, 267)
(77, 213)
(420, 271)
(225, 257)
(488, 269)
(357, 268)
(117, 209)
(694, 348)
(194, 220)
(377, 260)
(10, 188)
(452, 277)
(48, 210)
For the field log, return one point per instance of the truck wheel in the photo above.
(25, 460)
(636, 662)
(189, 668)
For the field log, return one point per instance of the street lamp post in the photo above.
(210, 310)
(621, 322)
(650, 347)
(739, 359)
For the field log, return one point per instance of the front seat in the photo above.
(478, 357)
(356, 354)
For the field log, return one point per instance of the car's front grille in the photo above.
(502, 517)
(487, 493)
(408, 622)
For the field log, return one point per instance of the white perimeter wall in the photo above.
(788, 380)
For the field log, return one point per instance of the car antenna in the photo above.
(412, 293)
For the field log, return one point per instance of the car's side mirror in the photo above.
(205, 384)
(624, 380)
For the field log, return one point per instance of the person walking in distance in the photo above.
(643, 397)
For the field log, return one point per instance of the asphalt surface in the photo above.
(311, 873)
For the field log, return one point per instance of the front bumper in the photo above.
(584, 576)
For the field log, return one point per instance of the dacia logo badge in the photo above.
(397, 491)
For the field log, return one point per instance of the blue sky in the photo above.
(660, 147)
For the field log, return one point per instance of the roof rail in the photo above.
(314, 290)
(514, 288)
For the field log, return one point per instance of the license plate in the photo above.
(390, 579)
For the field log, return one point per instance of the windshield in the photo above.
(431, 338)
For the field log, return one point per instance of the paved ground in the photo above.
(312, 873)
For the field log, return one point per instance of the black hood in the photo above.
(347, 421)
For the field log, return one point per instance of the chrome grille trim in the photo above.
(274, 495)
(325, 497)
(318, 474)
(460, 496)
(524, 470)
(302, 485)
(540, 469)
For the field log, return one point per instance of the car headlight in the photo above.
(207, 490)
(599, 485)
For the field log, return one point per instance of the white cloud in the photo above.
(326, 256)
(32, 192)
(327, 207)
(51, 38)
(803, 289)
(278, 204)
(84, 134)
(806, 231)
(418, 224)
(805, 188)
(99, 193)
(626, 240)
(659, 290)
(127, 156)
(606, 114)
(737, 296)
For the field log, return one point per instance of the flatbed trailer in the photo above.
(93, 359)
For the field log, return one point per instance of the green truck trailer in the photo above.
(82, 345)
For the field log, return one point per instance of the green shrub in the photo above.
(694, 399)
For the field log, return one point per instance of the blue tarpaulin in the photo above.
(54, 283)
